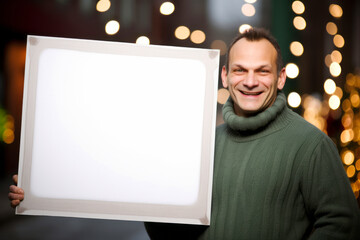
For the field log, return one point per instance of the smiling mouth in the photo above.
(250, 93)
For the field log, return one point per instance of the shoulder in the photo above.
(303, 129)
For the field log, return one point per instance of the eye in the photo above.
(239, 70)
(264, 71)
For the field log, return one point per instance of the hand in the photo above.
(16, 194)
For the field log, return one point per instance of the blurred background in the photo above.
(319, 40)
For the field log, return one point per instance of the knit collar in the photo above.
(257, 122)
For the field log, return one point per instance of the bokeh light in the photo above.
(219, 44)
(294, 99)
(348, 157)
(167, 8)
(250, 1)
(331, 28)
(339, 41)
(335, 10)
(112, 27)
(329, 86)
(244, 27)
(197, 37)
(350, 171)
(292, 70)
(335, 69)
(182, 32)
(298, 7)
(296, 48)
(334, 102)
(103, 5)
(223, 95)
(336, 56)
(143, 40)
(248, 10)
(299, 23)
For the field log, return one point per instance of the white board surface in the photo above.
(118, 131)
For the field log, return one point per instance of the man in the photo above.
(275, 175)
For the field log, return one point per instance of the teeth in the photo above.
(251, 94)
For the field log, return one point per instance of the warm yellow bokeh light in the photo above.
(331, 28)
(103, 5)
(335, 69)
(348, 157)
(355, 99)
(334, 102)
(329, 86)
(112, 27)
(294, 99)
(8, 136)
(345, 137)
(292, 70)
(219, 44)
(167, 8)
(339, 41)
(197, 36)
(339, 92)
(250, 1)
(248, 10)
(346, 105)
(328, 60)
(296, 48)
(350, 171)
(143, 40)
(336, 56)
(335, 10)
(357, 165)
(244, 27)
(299, 23)
(182, 32)
(298, 7)
(223, 95)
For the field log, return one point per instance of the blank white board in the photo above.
(118, 131)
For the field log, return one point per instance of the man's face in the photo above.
(252, 77)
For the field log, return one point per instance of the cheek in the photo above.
(269, 83)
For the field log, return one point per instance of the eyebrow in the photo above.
(243, 67)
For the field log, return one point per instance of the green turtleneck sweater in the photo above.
(275, 177)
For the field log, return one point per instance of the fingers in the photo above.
(15, 179)
(15, 189)
(14, 203)
(16, 194)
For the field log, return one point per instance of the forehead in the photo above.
(252, 52)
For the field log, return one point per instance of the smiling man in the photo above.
(275, 175)
(252, 75)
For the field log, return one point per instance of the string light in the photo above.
(143, 40)
(298, 7)
(182, 32)
(197, 37)
(248, 10)
(299, 23)
(112, 27)
(329, 86)
(244, 27)
(331, 28)
(103, 5)
(296, 48)
(294, 99)
(335, 10)
(292, 70)
(167, 8)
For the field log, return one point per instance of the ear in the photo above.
(224, 77)
(281, 79)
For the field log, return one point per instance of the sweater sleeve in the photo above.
(328, 197)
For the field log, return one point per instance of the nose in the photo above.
(250, 80)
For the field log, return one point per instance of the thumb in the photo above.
(15, 179)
